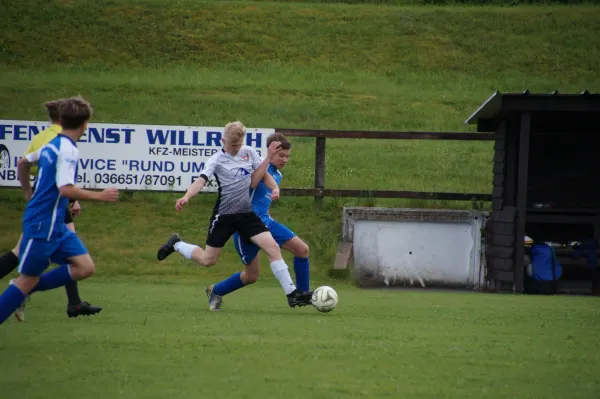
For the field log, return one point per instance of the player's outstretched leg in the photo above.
(168, 247)
(301, 263)
(288, 240)
(26, 284)
(76, 307)
(8, 263)
(36, 260)
(20, 311)
(216, 292)
(11, 299)
(81, 268)
(204, 257)
(295, 296)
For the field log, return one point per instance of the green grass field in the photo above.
(290, 65)
(153, 340)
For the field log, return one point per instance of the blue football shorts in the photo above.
(247, 250)
(36, 254)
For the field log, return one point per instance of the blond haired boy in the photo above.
(236, 168)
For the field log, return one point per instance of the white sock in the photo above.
(280, 270)
(185, 249)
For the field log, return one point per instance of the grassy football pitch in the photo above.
(157, 340)
(290, 65)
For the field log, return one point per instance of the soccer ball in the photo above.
(324, 299)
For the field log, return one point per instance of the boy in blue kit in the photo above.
(262, 197)
(46, 237)
(10, 260)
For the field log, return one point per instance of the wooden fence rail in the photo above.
(319, 191)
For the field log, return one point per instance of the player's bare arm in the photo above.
(23, 167)
(76, 193)
(272, 185)
(259, 173)
(191, 192)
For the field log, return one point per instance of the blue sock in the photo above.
(54, 278)
(10, 301)
(230, 284)
(302, 270)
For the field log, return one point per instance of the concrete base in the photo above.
(415, 247)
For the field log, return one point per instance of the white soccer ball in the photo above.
(324, 299)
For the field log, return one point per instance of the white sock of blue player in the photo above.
(185, 249)
(280, 270)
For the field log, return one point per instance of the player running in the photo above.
(10, 260)
(46, 237)
(262, 196)
(236, 168)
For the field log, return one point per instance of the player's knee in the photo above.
(251, 277)
(84, 268)
(88, 269)
(302, 250)
(202, 259)
(207, 261)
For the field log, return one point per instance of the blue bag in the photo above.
(544, 265)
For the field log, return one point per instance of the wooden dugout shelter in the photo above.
(546, 177)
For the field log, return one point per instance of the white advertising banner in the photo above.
(129, 157)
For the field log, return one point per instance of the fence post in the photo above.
(320, 167)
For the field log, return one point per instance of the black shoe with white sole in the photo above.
(168, 248)
(299, 298)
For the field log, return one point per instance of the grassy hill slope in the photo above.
(280, 64)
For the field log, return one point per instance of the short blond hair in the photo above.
(235, 130)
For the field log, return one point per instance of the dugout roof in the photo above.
(498, 105)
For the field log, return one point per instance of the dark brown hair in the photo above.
(74, 112)
(52, 109)
(285, 143)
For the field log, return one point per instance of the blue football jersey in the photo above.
(261, 196)
(57, 166)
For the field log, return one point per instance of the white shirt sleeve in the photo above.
(210, 166)
(256, 159)
(34, 157)
(66, 165)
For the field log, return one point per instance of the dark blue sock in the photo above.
(302, 270)
(230, 284)
(10, 301)
(53, 279)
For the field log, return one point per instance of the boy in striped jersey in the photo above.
(262, 196)
(236, 168)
